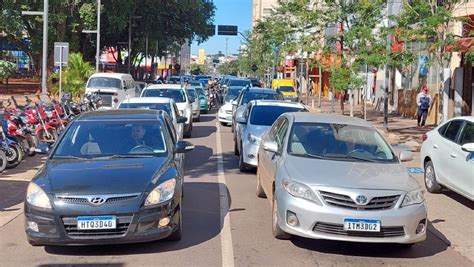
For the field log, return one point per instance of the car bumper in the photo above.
(141, 226)
(250, 152)
(196, 113)
(326, 222)
(204, 107)
(224, 117)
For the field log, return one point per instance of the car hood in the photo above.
(258, 130)
(113, 176)
(227, 107)
(182, 105)
(349, 174)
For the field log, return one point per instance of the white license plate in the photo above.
(361, 225)
(92, 223)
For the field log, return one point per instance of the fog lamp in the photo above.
(164, 221)
(33, 226)
(291, 218)
(421, 228)
(251, 156)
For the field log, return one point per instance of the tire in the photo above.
(223, 124)
(3, 161)
(278, 233)
(431, 183)
(43, 137)
(232, 127)
(178, 232)
(260, 192)
(188, 133)
(236, 149)
(242, 166)
(14, 156)
(198, 118)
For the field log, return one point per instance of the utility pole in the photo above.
(129, 40)
(226, 46)
(387, 74)
(97, 52)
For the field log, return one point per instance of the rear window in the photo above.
(177, 95)
(239, 83)
(267, 115)
(154, 106)
(286, 88)
(249, 96)
(104, 82)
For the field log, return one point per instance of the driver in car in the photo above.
(138, 134)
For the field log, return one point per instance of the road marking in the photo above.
(227, 249)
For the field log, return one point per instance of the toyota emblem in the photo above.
(361, 200)
(97, 200)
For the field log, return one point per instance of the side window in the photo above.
(176, 111)
(442, 129)
(247, 112)
(467, 135)
(274, 129)
(452, 130)
(281, 133)
(171, 129)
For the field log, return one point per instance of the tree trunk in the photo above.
(343, 96)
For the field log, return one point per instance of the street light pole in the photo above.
(97, 53)
(44, 73)
(129, 39)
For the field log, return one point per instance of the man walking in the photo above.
(423, 100)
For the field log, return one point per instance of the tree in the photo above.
(197, 69)
(229, 68)
(6, 70)
(74, 76)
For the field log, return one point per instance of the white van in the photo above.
(113, 88)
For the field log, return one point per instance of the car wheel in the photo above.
(187, 134)
(198, 118)
(242, 165)
(232, 127)
(277, 231)
(223, 123)
(178, 231)
(260, 192)
(236, 149)
(430, 178)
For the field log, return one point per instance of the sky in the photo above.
(228, 12)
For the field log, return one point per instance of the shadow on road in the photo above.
(435, 243)
(207, 117)
(12, 193)
(201, 222)
(30, 163)
(200, 162)
(202, 131)
(82, 265)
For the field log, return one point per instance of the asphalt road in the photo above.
(225, 224)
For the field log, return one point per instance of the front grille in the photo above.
(70, 225)
(338, 229)
(106, 100)
(85, 199)
(228, 111)
(343, 201)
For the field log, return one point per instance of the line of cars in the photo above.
(326, 176)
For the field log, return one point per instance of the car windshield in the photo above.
(286, 88)
(175, 94)
(242, 83)
(339, 142)
(232, 94)
(155, 106)
(192, 92)
(267, 115)
(249, 96)
(90, 139)
(197, 84)
(104, 82)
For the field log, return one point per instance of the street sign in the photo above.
(211, 30)
(61, 54)
(227, 30)
(254, 67)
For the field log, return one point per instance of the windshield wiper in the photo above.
(69, 157)
(123, 156)
(362, 158)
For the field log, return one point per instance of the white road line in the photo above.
(227, 249)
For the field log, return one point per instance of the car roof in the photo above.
(260, 90)
(239, 79)
(121, 114)
(328, 118)
(163, 86)
(279, 103)
(112, 75)
(148, 100)
(466, 118)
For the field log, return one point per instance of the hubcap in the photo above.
(429, 176)
(11, 154)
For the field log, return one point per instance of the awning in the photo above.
(461, 45)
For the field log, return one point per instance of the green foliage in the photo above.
(197, 69)
(6, 69)
(74, 76)
(229, 68)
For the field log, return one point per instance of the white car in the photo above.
(256, 120)
(196, 105)
(447, 155)
(224, 115)
(179, 95)
(111, 87)
(158, 103)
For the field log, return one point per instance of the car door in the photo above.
(179, 126)
(241, 127)
(178, 157)
(443, 148)
(267, 160)
(461, 171)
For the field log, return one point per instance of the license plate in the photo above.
(362, 225)
(91, 223)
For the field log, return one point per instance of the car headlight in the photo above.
(254, 139)
(414, 197)
(300, 190)
(36, 196)
(161, 193)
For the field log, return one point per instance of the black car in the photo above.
(113, 177)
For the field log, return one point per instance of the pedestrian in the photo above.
(423, 100)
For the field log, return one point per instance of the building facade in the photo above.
(261, 9)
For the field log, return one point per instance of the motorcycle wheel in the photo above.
(32, 141)
(51, 138)
(14, 156)
(3, 161)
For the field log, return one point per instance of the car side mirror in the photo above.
(270, 146)
(184, 147)
(406, 155)
(181, 119)
(43, 148)
(469, 147)
(241, 120)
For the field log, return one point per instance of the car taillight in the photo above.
(424, 137)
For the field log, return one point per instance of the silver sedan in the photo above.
(335, 177)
